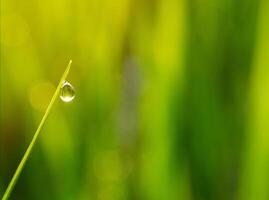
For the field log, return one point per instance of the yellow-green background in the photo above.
(172, 99)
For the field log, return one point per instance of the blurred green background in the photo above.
(172, 99)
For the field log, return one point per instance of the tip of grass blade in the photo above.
(66, 71)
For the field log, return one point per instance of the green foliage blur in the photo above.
(172, 99)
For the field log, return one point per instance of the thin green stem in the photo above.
(30, 147)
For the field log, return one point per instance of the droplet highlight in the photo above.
(67, 93)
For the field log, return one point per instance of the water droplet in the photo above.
(67, 92)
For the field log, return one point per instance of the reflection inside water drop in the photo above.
(67, 93)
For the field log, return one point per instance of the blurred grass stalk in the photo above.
(254, 180)
(35, 137)
(160, 177)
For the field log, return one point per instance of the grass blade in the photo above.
(31, 145)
